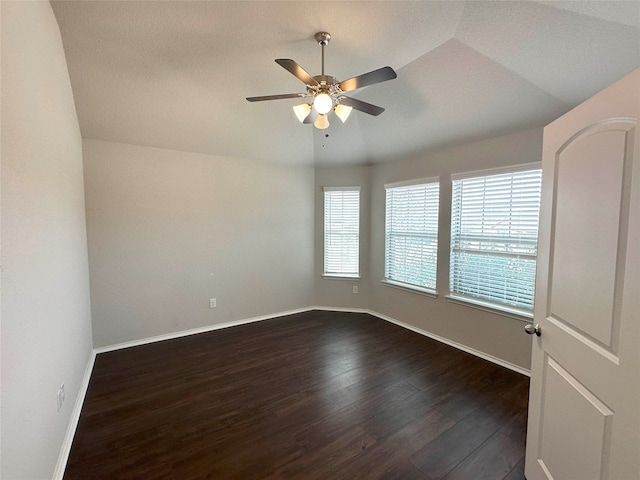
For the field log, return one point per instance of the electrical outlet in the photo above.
(60, 396)
(355, 289)
(212, 303)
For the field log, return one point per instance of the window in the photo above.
(494, 235)
(342, 231)
(411, 234)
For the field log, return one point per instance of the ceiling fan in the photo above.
(327, 92)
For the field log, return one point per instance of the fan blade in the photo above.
(376, 76)
(292, 67)
(362, 106)
(313, 114)
(277, 97)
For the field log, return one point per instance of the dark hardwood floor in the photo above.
(317, 395)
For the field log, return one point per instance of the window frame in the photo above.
(475, 301)
(339, 274)
(403, 283)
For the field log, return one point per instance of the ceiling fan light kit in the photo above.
(323, 103)
(343, 112)
(302, 111)
(327, 93)
(321, 122)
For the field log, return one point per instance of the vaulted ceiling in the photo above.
(175, 74)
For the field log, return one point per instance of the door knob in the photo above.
(531, 329)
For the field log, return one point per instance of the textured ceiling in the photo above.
(175, 74)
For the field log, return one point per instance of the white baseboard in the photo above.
(58, 473)
(342, 309)
(195, 331)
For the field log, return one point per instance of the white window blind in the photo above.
(494, 235)
(341, 231)
(411, 233)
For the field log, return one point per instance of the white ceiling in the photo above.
(175, 74)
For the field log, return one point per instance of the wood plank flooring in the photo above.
(316, 395)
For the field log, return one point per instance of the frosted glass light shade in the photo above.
(343, 112)
(302, 111)
(323, 103)
(321, 122)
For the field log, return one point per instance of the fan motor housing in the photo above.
(325, 79)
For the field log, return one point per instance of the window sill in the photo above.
(341, 276)
(410, 288)
(514, 313)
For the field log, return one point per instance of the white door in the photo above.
(584, 406)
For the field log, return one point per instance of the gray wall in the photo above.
(169, 230)
(46, 324)
(496, 335)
